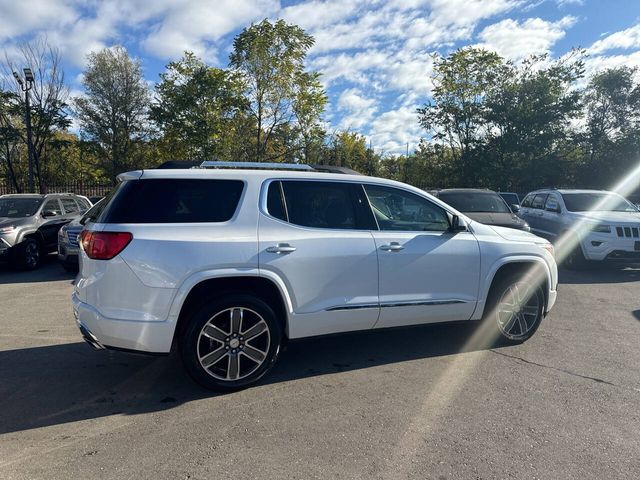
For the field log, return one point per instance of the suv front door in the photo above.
(427, 273)
(52, 222)
(316, 237)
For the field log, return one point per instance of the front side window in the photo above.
(52, 207)
(552, 203)
(527, 201)
(399, 210)
(16, 207)
(539, 200)
(169, 200)
(335, 205)
(69, 205)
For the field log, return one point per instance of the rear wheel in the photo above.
(231, 343)
(515, 309)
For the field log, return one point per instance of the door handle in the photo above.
(392, 247)
(281, 248)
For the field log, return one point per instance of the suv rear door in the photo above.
(427, 273)
(315, 235)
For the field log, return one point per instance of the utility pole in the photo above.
(25, 87)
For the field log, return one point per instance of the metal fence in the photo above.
(79, 188)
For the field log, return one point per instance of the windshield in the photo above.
(598, 202)
(19, 207)
(471, 202)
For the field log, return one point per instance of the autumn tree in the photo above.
(113, 110)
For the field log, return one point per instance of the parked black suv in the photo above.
(484, 206)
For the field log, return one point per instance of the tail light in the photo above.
(104, 245)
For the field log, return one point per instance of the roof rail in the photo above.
(256, 165)
(334, 169)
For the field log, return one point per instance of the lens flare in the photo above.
(439, 396)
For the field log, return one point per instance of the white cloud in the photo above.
(357, 110)
(22, 17)
(516, 40)
(625, 39)
(192, 25)
(391, 131)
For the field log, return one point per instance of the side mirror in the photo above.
(515, 208)
(457, 225)
(49, 213)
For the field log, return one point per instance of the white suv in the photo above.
(226, 263)
(594, 224)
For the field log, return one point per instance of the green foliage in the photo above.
(285, 102)
(113, 110)
(196, 107)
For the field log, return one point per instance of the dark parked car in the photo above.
(68, 248)
(29, 225)
(484, 206)
(512, 199)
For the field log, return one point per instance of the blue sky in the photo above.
(374, 55)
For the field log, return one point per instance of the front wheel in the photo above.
(515, 309)
(28, 255)
(231, 343)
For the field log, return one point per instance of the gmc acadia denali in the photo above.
(226, 262)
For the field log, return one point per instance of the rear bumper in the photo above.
(140, 336)
(68, 254)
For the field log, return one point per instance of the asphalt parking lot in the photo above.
(422, 403)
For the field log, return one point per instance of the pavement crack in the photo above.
(562, 370)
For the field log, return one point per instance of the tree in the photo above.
(530, 117)
(284, 100)
(113, 110)
(612, 104)
(48, 97)
(195, 108)
(456, 115)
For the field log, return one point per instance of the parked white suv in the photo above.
(599, 225)
(227, 263)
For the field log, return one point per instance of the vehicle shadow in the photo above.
(600, 273)
(56, 384)
(49, 271)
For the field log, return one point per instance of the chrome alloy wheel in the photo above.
(233, 344)
(518, 310)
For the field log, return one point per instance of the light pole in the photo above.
(25, 87)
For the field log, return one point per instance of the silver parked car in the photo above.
(29, 225)
(68, 241)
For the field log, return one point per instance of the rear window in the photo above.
(173, 201)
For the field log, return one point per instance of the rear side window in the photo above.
(538, 200)
(335, 205)
(275, 201)
(173, 201)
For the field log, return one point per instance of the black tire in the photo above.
(495, 321)
(236, 357)
(70, 267)
(28, 254)
(575, 260)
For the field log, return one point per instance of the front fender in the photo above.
(499, 263)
